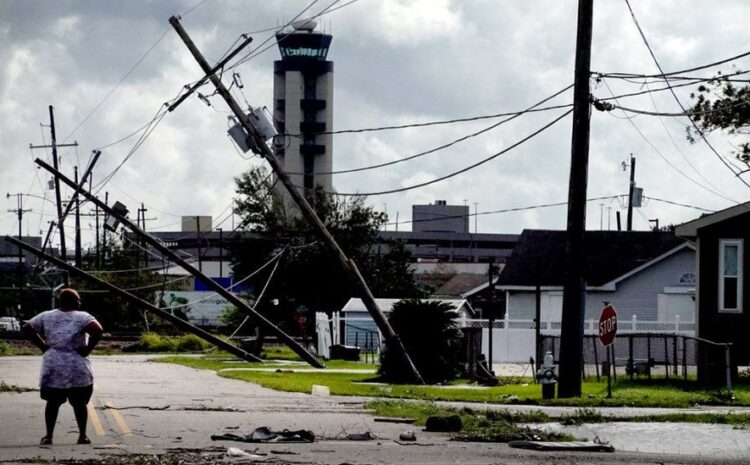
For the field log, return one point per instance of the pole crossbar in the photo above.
(156, 244)
(180, 323)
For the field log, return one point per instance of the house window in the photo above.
(730, 275)
(687, 278)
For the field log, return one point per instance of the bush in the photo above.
(430, 336)
(4, 348)
(191, 343)
(152, 342)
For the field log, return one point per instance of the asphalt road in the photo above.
(141, 407)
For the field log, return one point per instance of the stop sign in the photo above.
(608, 325)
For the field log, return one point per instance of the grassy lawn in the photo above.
(656, 393)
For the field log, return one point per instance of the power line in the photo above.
(463, 170)
(662, 73)
(666, 160)
(682, 107)
(450, 121)
(127, 75)
(505, 210)
(454, 142)
(679, 204)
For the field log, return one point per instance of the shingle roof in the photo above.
(460, 283)
(539, 256)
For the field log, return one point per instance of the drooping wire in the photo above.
(666, 160)
(463, 170)
(682, 107)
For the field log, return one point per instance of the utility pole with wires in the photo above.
(55, 161)
(256, 140)
(571, 332)
(78, 259)
(19, 210)
(631, 190)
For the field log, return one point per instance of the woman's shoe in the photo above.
(46, 441)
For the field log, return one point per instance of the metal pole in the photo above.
(727, 361)
(571, 333)
(630, 192)
(156, 244)
(348, 265)
(180, 323)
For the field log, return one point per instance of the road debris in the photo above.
(443, 424)
(394, 420)
(264, 434)
(407, 436)
(573, 446)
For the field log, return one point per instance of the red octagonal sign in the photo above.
(608, 325)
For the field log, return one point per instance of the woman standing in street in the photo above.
(66, 336)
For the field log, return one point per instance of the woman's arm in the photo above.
(94, 329)
(35, 337)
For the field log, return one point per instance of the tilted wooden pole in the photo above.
(392, 339)
(180, 323)
(156, 244)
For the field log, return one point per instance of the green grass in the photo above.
(656, 393)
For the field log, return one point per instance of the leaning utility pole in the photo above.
(78, 255)
(161, 248)
(574, 302)
(392, 339)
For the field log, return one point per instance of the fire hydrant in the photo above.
(547, 376)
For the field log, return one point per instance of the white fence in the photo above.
(513, 341)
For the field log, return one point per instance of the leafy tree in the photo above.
(430, 336)
(307, 275)
(124, 268)
(722, 105)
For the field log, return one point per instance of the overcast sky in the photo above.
(396, 62)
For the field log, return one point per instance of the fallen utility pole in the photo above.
(392, 339)
(180, 323)
(156, 244)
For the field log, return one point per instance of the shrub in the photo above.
(152, 342)
(4, 348)
(191, 343)
(430, 336)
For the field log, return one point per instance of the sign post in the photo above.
(607, 331)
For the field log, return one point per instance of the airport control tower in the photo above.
(303, 106)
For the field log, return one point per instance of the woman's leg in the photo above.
(82, 418)
(50, 418)
(79, 399)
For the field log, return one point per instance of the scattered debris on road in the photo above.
(577, 446)
(265, 435)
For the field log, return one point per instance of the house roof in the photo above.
(460, 284)
(539, 256)
(386, 305)
(690, 229)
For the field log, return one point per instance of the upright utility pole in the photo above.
(630, 192)
(571, 338)
(19, 211)
(58, 199)
(78, 223)
(392, 339)
(198, 239)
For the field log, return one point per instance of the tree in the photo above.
(125, 269)
(721, 105)
(307, 276)
(430, 336)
